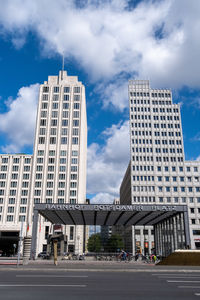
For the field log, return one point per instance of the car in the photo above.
(43, 255)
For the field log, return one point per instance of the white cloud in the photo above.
(102, 198)
(18, 123)
(107, 164)
(158, 40)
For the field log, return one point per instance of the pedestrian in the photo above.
(154, 258)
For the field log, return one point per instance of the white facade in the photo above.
(15, 180)
(158, 172)
(59, 157)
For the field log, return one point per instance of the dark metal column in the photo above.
(171, 232)
(34, 234)
(155, 228)
(169, 237)
(181, 230)
(175, 233)
(187, 230)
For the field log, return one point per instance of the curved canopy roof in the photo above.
(106, 214)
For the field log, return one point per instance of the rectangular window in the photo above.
(22, 209)
(77, 89)
(66, 98)
(64, 122)
(75, 141)
(41, 140)
(55, 97)
(10, 218)
(22, 218)
(63, 140)
(64, 131)
(75, 123)
(11, 201)
(54, 122)
(11, 209)
(66, 89)
(52, 140)
(63, 153)
(65, 105)
(71, 236)
(56, 89)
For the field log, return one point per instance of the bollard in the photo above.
(55, 252)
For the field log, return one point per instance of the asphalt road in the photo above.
(104, 285)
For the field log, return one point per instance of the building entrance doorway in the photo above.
(9, 243)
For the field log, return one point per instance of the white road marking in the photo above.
(174, 274)
(43, 285)
(188, 287)
(54, 276)
(181, 277)
(195, 281)
(197, 294)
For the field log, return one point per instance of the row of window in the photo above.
(54, 122)
(66, 89)
(54, 114)
(157, 150)
(14, 184)
(63, 140)
(14, 192)
(12, 200)
(158, 159)
(75, 106)
(15, 168)
(156, 133)
(53, 153)
(50, 192)
(166, 199)
(14, 176)
(157, 142)
(155, 109)
(11, 209)
(50, 176)
(50, 184)
(5, 160)
(10, 218)
(144, 94)
(64, 131)
(155, 118)
(45, 97)
(143, 101)
(156, 125)
(174, 169)
(141, 188)
(52, 161)
(163, 178)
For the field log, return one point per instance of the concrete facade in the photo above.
(158, 172)
(57, 169)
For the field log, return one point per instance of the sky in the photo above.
(105, 43)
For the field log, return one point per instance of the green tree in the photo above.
(94, 243)
(114, 243)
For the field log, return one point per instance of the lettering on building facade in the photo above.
(107, 207)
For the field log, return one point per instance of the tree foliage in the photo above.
(114, 243)
(94, 243)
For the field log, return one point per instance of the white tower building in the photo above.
(56, 173)
(60, 150)
(158, 172)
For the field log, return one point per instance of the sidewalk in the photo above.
(95, 266)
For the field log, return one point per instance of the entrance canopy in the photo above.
(170, 222)
(106, 214)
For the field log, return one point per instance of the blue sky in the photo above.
(105, 43)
